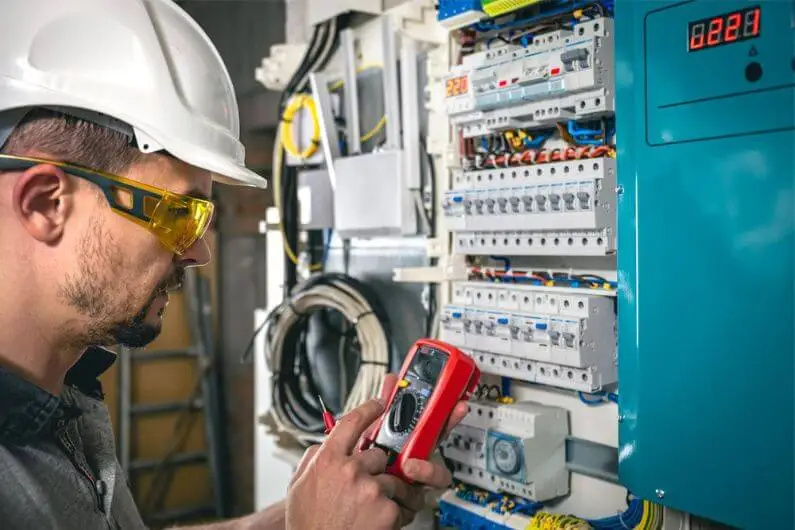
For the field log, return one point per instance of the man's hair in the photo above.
(66, 138)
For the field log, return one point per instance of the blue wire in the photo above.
(506, 386)
(506, 262)
(536, 142)
(327, 244)
(590, 402)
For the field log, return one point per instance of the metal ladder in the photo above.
(205, 399)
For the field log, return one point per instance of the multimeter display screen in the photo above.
(414, 391)
(428, 364)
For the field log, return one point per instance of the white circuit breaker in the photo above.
(565, 74)
(517, 448)
(565, 339)
(577, 194)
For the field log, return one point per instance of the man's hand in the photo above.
(410, 498)
(338, 488)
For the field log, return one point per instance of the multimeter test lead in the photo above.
(328, 419)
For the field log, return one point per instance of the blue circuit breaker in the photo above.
(705, 109)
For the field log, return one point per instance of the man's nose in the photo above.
(197, 255)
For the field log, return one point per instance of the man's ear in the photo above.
(42, 200)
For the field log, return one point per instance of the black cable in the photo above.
(431, 233)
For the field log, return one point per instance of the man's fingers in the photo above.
(459, 412)
(389, 382)
(373, 460)
(407, 496)
(345, 435)
(305, 461)
(428, 473)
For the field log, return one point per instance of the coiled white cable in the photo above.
(288, 414)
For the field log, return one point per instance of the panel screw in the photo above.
(660, 493)
(619, 190)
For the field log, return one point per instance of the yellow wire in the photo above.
(382, 122)
(375, 130)
(288, 122)
(277, 200)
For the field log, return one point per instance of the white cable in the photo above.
(372, 342)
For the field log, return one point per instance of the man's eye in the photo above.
(180, 211)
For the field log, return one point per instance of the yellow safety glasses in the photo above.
(179, 221)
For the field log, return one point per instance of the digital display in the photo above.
(725, 29)
(457, 86)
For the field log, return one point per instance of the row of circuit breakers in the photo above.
(519, 204)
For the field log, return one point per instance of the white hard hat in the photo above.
(146, 63)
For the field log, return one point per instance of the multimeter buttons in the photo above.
(507, 456)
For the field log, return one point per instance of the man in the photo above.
(115, 118)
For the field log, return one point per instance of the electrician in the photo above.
(115, 118)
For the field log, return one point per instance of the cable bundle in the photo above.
(295, 406)
(324, 41)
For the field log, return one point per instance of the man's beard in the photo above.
(136, 332)
(98, 294)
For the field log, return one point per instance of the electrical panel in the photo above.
(706, 168)
(517, 448)
(533, 187)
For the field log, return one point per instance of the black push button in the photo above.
(753, 72)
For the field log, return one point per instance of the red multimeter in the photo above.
(434, 377)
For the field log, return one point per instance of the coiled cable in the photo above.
(295, 408)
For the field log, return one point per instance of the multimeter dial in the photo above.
(404, 413)
(507, 456)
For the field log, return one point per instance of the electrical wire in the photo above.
(278, 158)
(295, 407)
(296, 104)
(324, 41)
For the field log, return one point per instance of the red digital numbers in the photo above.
(715, 31)
(731, 27)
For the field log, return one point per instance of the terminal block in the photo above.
(517, 448)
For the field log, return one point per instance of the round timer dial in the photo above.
(507, 457)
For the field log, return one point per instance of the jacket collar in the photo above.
(26, 408)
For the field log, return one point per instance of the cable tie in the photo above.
(361, 316)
